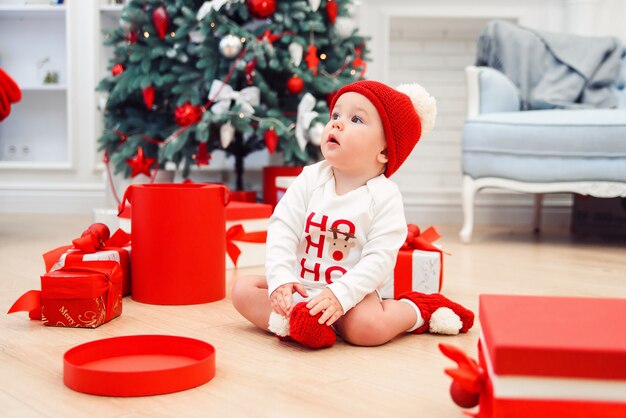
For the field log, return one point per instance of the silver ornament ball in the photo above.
(230, 46)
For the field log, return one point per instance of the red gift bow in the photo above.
(93, 239)
(422, 240)
(237, 233)
(31, 300)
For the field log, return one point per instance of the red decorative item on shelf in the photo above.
(271, 140)
(140, 164)
(202, 157)
(262, 8)
(295, 84)
(331, 10)
(187, 114)
(117, 69)
(312, 60)
(148, 96)
(9, 93)
(161, 21)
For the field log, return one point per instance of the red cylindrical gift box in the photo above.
(179, 243)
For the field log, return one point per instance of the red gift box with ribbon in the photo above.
(84, 295)
(95, 244)
(419, 266)
(246, 232)
(544, 357)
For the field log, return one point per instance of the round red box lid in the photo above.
(138, 365)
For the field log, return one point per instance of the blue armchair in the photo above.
(538, 151)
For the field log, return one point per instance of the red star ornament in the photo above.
(140, 164)
(203, 157)
(312, 61)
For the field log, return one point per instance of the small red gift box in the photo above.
(76, 295)
(546, 357)
(95, 245)
(246, 231)
(419, 266)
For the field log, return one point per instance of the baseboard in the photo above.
(51, 198)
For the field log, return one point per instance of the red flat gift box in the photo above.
(246, 229)
(547, 357)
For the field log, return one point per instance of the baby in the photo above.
(333, 238)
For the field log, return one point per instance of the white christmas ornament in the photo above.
(227, 132)
(344, 26)
(315, 4)
(306, 114)
(207, 6)
(222, 95)
(196, 37)
(295, 51)
(315, 133)
(230, 46)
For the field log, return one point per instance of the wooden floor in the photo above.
(258, 376)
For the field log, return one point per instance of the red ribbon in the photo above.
(468, 374)
(237, 233)
(95, 238)
(421, 240)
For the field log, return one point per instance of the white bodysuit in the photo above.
(347, 243)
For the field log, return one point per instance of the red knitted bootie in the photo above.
(440, 314)
(303, 328)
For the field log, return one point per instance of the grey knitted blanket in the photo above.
(553, 70)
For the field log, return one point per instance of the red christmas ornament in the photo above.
(202, 156)
(187, 114)
(295, 84)
(462, 397)
(312, 61)
(271, 38)
(262, 8)
(117, 69)
(271, 140)
(140, 164)
(250, 71)
(358, 61)
(161, 21)
(331, 10)
(123, 137)
(148, 96)
(132, 37)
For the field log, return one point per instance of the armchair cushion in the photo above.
(547, 145)
(497, 92)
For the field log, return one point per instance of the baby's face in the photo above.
(354, 139)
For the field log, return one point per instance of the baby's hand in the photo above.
(281, 299)
(327, 303)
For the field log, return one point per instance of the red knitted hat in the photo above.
(407, 113)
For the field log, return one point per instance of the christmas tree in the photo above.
(190, 77)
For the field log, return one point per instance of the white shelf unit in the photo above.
(33, 42)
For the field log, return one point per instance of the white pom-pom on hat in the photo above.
(425, 105)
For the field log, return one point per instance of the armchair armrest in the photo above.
(490, 91)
